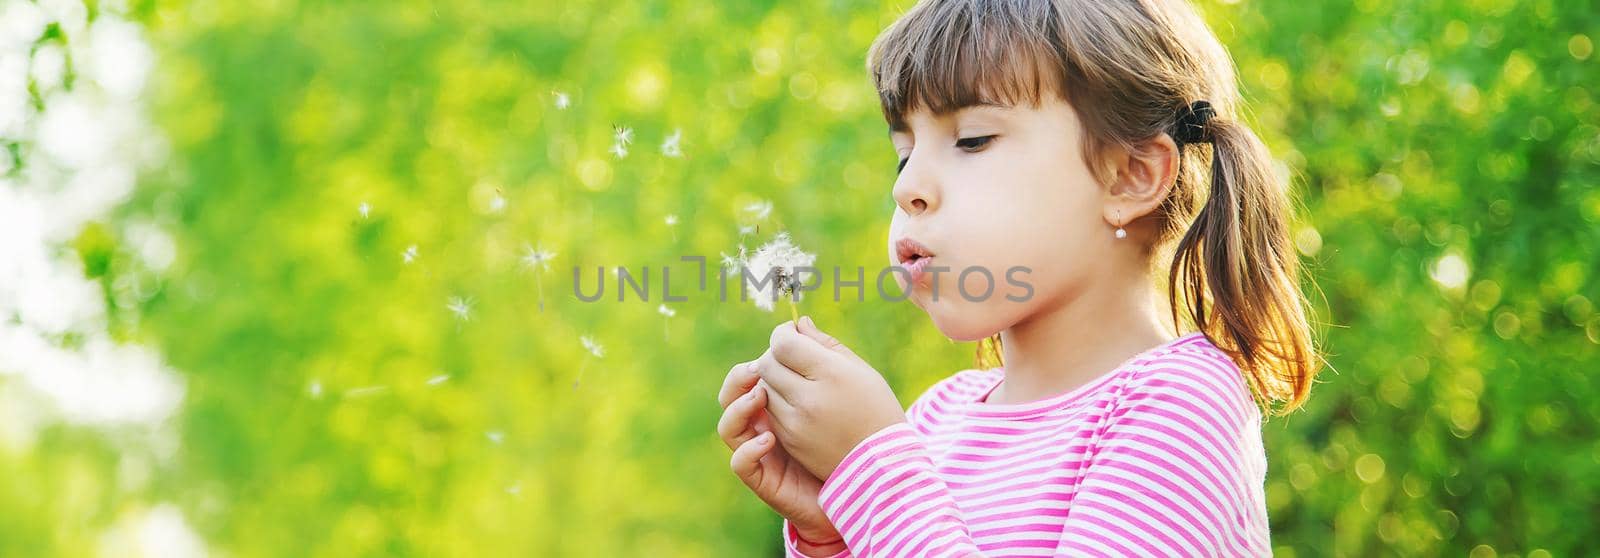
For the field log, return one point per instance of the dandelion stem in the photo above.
(538, 280)
(795, 313)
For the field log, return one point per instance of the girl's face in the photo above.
(996, 188)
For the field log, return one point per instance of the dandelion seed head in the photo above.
(666, 311)
(461, 307)
(410, 254)
(777, 268)
(593, 346)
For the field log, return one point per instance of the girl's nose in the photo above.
(914, 192)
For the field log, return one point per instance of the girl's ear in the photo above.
(1144, 176)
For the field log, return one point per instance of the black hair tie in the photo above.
(1191, 125)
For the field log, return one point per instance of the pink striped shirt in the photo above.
(1161, 456)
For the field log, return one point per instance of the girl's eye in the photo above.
(974, 143)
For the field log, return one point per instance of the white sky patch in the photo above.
(79, 158)
(159, 532)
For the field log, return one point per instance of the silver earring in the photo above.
(1121, 233)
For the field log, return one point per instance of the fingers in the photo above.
(740, 379)
(780, 380)
(736, 425)
(746, 460)
(809, 329)
(800, 353)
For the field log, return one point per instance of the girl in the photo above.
(1094, 143)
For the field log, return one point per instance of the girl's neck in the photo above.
(1077, 339)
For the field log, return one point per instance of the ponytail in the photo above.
(1235, 271)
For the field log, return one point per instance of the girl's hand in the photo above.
(822, 398)
(765, 467)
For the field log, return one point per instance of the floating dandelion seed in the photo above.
(440, 379)
(498, 203)
(365, 209)
(594, 348)
(732, 264)
(461, 307)
(746, 230)
(536, 258)
(562, 100)
(672, 224)
(670, 147)
(620, 138)
(495, 436)
(514, 489)
(365, 391)
(666, 328)
(777, 268)
(410, 254)
(666, 325)
(759, 211)
(316, 389)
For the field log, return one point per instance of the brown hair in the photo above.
(1129, 68)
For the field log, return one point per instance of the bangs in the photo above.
(945, 55)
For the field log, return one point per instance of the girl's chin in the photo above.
(950, 324)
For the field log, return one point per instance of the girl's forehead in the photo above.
(1001, 111)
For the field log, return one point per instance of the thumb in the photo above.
(809, 329)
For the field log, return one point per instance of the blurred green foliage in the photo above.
(1444, 155)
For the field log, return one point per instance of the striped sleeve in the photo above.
(1178, 470)
(791, 545)
(886, 500)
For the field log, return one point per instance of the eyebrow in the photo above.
(899, 124)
